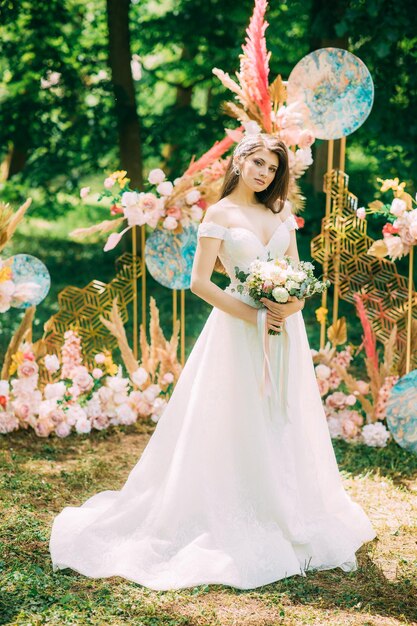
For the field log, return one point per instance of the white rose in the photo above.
(130, 199)
(55, 391)
(170, 223)
(322, 371)
(196, 213)
(165, 188)
(156, 176)
(97, 373)
(375, 435)
(192, 196)
(83, 426)
(4, 387)
(291, 284)
(75, 414)
(125, 415)
(100, 358)
(135, 215)
(398, 207)
(140, 376)
(51, 363)
(280, 295)
(151, 392)
(117, 384)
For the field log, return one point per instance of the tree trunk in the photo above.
(124, 91)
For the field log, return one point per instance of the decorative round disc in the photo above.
(402, 412)
(169, 257)
(32, 279)
(337, 89)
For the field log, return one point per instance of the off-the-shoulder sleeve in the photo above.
(210, 229)
(291, 223)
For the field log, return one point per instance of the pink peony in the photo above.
(149, 202)
(27, 369)
(135, 216)
(44, 427)
(350, 430)
(100, 422)
(62, 429)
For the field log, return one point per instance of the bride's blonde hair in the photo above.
(276, 193)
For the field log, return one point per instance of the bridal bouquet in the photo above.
(279, 279)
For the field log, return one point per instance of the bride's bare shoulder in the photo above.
(217, 213)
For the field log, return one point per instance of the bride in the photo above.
(239, 484)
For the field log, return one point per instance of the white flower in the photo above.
(291, 284)
(125, 414)
(361, 213)
(46, 407)
(398, 207)
(4, 387)
(395, 246)
(140, 376)
(280, 295)
(84, 191)
(75, 413)
(323, 371)
(51, 363)
(165, 188)
(135, 215)
(97, 373)
(151, 392)
(117, 384)
(156, 177)
(192, 196)
(170, 223)
(196, 213)
(55, 391)
(335, 427)
(158, 408)
(83, 425)
(375, 435)
(100, 358)
(130, 199)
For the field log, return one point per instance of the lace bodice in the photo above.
(240, 246)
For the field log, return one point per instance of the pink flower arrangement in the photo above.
(400, 231)
(77, 398)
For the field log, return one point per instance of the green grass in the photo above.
(39, 477)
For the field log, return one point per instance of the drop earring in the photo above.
(236, 170)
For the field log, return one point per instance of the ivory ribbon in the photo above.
(275, 390)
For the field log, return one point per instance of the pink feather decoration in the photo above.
(369, 340)
(215, 152)
(254, 66)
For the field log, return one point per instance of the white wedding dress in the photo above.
(235, 486)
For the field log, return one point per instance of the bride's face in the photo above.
(258, 169)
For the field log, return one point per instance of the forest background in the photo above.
(90, 87)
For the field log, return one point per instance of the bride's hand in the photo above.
(283, 310)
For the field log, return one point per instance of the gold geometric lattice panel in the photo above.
(384, 290)
(80, 309)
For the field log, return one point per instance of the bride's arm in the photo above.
(201, 284)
